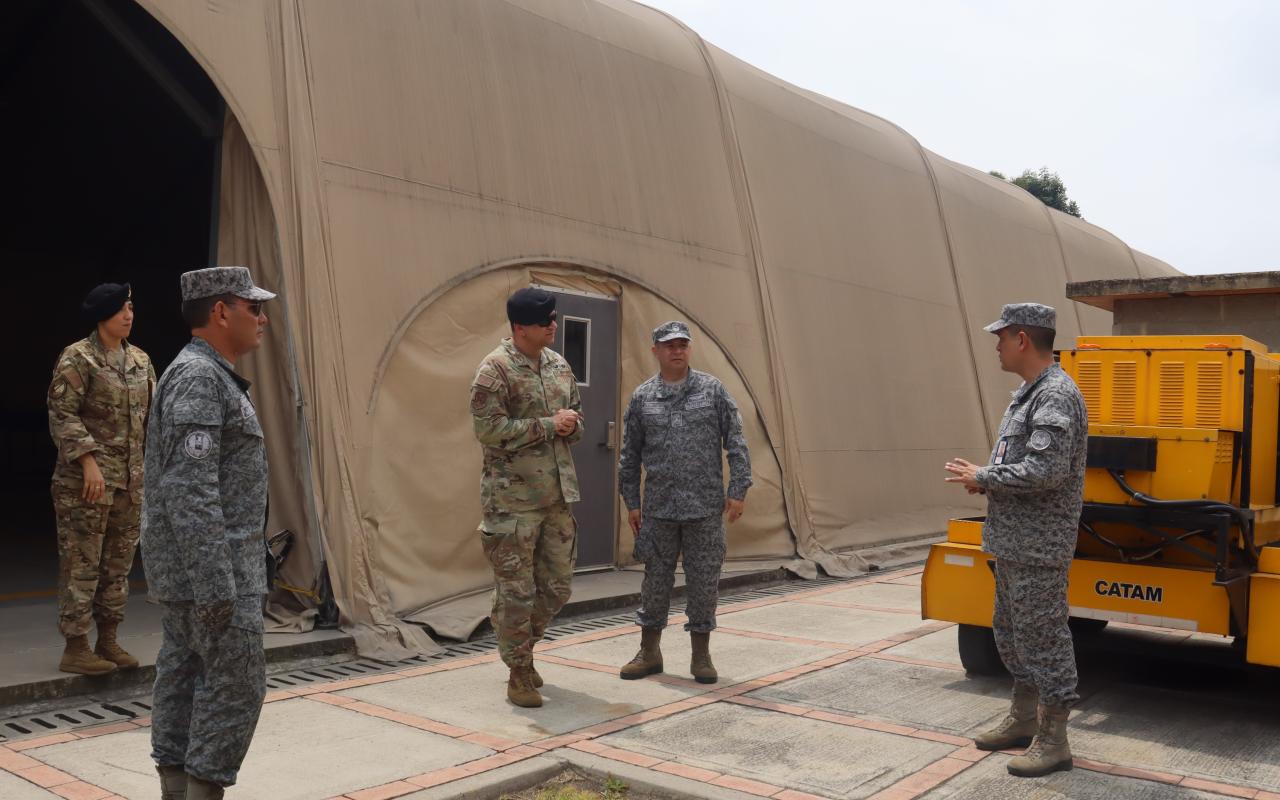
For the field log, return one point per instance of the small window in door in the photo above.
(577, 347)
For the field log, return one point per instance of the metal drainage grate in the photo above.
(62, 720)
(51, 722)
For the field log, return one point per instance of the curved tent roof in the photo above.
(381, 155)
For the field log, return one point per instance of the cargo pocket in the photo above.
(500, 543)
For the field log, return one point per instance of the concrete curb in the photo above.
(83, 685)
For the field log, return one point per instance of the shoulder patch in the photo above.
(198, 445)
(478, 400)
(487, 382)
(1040, 440)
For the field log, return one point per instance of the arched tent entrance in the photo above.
(424, 482)
(123, 164)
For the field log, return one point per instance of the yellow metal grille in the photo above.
(1124, 393)
(1173, 380)
(1224, 451)
(1089, 380)
(1208, 394)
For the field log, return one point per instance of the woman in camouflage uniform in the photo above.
(98, 402)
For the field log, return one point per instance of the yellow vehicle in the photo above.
(1180, 527)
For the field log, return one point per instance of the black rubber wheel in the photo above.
(978, 651)
(1082, 626)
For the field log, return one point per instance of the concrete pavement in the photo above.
(836, 690)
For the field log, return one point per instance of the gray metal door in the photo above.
(588, 339)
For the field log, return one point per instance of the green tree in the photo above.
(1047, 187)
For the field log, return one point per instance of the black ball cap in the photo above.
(103, 301)
(531, 306)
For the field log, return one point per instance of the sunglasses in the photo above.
(550, 320)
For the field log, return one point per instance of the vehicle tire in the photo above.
(978, 651)
(1083, 626)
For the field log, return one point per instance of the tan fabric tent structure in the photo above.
(394, 169)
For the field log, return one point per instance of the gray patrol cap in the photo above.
(667, 331)
(1031, 314)
(214, 281)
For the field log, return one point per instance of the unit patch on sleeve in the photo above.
(1040, 440)
(198, 444)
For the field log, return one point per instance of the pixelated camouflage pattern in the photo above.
(1031, 314)
(531, 553)
(213, 281)
(205, 506)
(1031, 631)
(678, 434)
(96, 408)
(1035, 493)
(96, 546)
(526, 465)
(209, 690)
(700, 545)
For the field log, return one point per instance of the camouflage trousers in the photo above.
(700, 544)
(531, 553)
(96, 545)
(208, 692)
(1030, 624)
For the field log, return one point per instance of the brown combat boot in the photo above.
(534, 677)
(700, 665)
(173, 783)
(648, 660)
(78, 658)
(110, 649)
(520, 689)
(1018, 727)
(1049, 751)
(203, 790)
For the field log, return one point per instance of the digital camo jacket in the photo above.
(1035, 481)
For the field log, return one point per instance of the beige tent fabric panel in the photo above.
(1152, 267)
(232, 42)
(839, 195)
(423, 510)
(1006, 251)
(435, 236)
(1092, 254)
(620, 140)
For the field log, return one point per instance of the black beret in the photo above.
(104, 301)
(530, 306)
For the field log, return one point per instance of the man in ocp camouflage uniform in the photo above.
(203, 544)
(1034, 487)
(678, 427)
(526, 412)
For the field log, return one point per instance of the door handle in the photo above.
(610, 437)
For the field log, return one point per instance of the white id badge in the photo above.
(1000, 448)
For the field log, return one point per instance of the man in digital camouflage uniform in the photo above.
(203, 522)
(526, 412)
(1034, 487)
(98, 401)
(679, 426)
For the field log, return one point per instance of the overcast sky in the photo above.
(1161, 116)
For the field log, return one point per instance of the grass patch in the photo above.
(574, 785)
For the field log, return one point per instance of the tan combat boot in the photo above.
(1018, 727)
(1049, 751)
(173, 783)
(520, 689)
(110, 649)
(203, 790)
(648, 660)
(78, 658)
(534, 677)
(700, 665)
